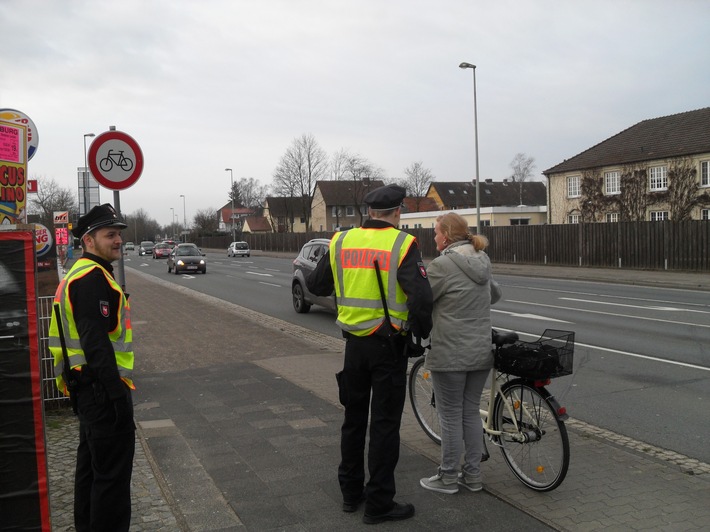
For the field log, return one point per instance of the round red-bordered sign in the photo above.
(115, 160)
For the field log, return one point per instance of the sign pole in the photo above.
(121, 271)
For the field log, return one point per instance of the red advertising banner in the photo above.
(24, 498)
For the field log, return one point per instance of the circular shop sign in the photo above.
(115, 160)
(43, 240)
(18, 117)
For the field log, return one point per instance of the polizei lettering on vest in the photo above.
(365, 258)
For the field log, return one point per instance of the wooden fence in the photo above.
(663, 245)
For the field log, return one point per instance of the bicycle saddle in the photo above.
(503, 338)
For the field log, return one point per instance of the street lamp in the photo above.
(231, 195)
(184, 216)
(172, 221)
(86, 175)
(475, 128)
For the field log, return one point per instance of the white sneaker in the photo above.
(470, 482)
(441, 483)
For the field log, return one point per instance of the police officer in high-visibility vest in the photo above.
(94, 321)
(375, 366)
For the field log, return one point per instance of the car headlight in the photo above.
(180, 262)
(202, 262)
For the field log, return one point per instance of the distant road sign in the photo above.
(115, 160)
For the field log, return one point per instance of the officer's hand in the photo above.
(122, 409)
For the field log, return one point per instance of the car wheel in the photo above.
(169, 268)
(299, 301)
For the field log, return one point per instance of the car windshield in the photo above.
(188, 252)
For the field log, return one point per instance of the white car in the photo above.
(238, 249)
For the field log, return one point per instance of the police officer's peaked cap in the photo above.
(100, 216)
(385, 198)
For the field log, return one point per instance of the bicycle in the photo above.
(522, 417)
(117, 158)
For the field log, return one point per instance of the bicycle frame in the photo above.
(487, 415)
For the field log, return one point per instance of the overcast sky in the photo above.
(203, 85)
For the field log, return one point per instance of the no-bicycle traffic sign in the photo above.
(115, 160)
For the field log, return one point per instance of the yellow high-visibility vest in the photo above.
(352, 259)
(121, 337)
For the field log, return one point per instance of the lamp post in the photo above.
(475, 128)
(231, 196)
(184, 216)
(86, 175)
(172, 221)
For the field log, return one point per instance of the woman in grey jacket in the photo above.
(460, 358)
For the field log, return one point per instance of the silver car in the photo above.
(303, 265)
(238, 249)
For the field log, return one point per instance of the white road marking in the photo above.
(270, 284)
(608, 313)
(262, 274)
(529, 316)
(663, 309)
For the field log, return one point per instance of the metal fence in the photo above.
(50, 394)
(665, 245)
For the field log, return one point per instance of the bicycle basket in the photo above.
(548, 357)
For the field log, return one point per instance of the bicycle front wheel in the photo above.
(537, 451)
(421, 395)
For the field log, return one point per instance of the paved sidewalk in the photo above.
(239, 430)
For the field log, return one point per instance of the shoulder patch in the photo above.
(104, 308)
(422, 269)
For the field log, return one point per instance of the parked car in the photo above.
(303, 265)
(238, 249)
(186, 258)
(162, 250)
(146, 247)
(129, 246)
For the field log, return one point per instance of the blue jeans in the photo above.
(458, 399)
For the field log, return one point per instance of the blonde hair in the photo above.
(455, 228)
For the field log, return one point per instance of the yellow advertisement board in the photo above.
(13, 173)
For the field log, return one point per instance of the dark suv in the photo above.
(303, 265)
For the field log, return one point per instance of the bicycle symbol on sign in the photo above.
(117, 158)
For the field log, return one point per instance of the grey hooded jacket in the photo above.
(461, 338)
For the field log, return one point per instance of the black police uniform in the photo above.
(102, 489)
(374, 379)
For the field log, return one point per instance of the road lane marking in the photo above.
(675, 309)
(262, 274)
(529, 316)
(608, 313)
(616, 351)
(271, 284)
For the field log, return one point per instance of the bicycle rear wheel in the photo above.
(541, 460)
(421, 395)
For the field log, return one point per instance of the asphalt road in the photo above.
(642, 367)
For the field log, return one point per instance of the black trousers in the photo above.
(373, 381)
(104, 463)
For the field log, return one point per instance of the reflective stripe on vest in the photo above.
(121, 337)
(352, 255)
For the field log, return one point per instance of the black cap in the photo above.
(385, 198)
(100, 216)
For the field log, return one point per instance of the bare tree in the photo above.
(633, 200)
(417, 182)
(683, 188)
(206, 221)
(523, 167)
(51, 197)
(248, 192)
(303, 164)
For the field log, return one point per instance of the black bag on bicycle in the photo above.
(546, 358)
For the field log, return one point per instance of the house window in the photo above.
(363, 210)
(485, 223)
(705, 214)
(404, 226)
(573, 186)
(573, 219)
(705, 174)
(612, 217)
(349, 210)
(519, 221)
(336, 211)
(659, 216)
(657, 178)
(612, 182)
